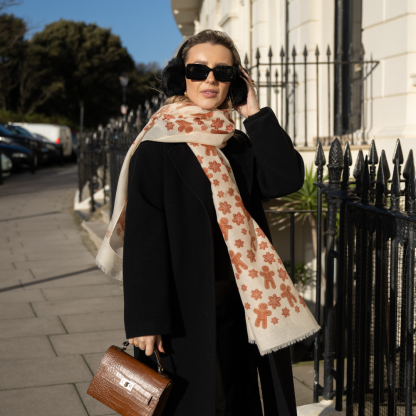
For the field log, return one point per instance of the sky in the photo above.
(146, 27)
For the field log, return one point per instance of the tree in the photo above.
(72, 61)
(12, 50)
(4, 4)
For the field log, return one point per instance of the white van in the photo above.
(53, 132)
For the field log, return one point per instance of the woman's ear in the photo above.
(238, 89)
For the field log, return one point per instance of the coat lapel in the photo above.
(192, 174)
(190, 171)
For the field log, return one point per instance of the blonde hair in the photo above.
(214, 37)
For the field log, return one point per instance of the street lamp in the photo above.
(124, 80)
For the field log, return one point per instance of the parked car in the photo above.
(21, 156)
(6, 165)
(8, 137)
(55, 151)
(43, 153)
(53, 132)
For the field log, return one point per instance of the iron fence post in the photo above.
(334, 175)
(320, 163)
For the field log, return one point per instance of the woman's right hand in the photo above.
(147, 343)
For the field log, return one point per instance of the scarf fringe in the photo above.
(108, 271)
(286, 344)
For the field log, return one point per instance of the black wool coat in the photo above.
(168, 261)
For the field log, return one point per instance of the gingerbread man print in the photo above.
(224, 227)
(236, 260)
(262, 314)
(268, 277)
(239, 204)
(287, 293)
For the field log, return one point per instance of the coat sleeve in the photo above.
(279, 167)
(146, 256)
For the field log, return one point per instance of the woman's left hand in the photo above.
(251, 106)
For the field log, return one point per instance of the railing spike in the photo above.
(282, 52)
(267, 73)
(276, 74)
(270, 52)
(316, 51)
(320, 159)
(409, 161)
(373, 160)
(319, 162)
(386, 169)
(328, 51)
(398, 153)
(411, 189)
(305, 51)
(381, 189)
(358, 172)
(407, 175)
(372, 153)
(294, 51)
(362, 50)
(347, 164)
(365, 185)
(358, 167)
(347, 154)
(395, 188)
(335, 164)
(258, 54)
(246, 61)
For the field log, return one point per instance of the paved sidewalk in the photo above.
(58, 312)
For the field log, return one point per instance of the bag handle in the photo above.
(159, 362)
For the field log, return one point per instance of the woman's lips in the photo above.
(209, 93)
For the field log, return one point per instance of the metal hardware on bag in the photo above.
(125, 345)
(127, 384)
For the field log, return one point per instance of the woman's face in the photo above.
(210, 93)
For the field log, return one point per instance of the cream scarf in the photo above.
(276, 315)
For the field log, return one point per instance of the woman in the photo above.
(179, 264)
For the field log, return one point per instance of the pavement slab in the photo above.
(22, 349)
(88, 322)
(83, 292)
(31, 327)
(43, 372)
(16, 311)
(87, 342)
(68, 307)
(62, 400)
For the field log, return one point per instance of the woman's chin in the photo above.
(207, 103)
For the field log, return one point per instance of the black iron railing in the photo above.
(101, 153)
(343, 107)
(372, 323)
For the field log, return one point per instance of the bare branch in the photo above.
(4, 4)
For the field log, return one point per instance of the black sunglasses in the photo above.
(200, 72)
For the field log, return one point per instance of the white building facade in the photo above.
(382, 72)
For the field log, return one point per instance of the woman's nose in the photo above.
(211, 77)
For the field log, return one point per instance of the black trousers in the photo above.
(237, 391)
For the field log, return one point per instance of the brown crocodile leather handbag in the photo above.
(128, 386)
